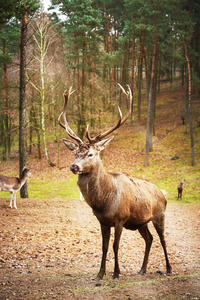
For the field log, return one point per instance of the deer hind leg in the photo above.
(11, 195)
(105, 230)
(145, 233)
(118, 232)
(158, 223)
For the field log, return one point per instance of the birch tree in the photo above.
(44, 36)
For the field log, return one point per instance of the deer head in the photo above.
(87, 154)
(181, 182)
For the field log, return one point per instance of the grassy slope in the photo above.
(171, 139)
(126, 153)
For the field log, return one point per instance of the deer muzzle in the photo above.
(75, 169)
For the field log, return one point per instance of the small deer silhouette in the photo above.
(180, 188)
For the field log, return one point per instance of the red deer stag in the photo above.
(13, 184)
(117, 200)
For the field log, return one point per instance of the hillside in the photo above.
(126, 153)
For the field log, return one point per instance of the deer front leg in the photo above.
(105, 231)
(118, 232)
(11, 194)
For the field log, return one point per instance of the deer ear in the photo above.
(102, 144)
(70, 145)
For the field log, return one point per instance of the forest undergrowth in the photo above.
(169, 161)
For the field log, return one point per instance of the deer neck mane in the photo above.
(96, 185)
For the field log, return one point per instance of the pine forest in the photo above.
(92, 45)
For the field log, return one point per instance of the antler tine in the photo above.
(120, 122)
(87, 134)
(63, 114)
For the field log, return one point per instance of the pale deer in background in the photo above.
(117, 200)
(180, 188)
(13, 184)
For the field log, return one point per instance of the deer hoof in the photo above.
(115, 276)
(100, 276)
(169, 270)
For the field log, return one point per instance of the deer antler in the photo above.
(120, 122)
(63, 114)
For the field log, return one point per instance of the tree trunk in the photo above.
(82, 104)
(149, 145)
(155, 93)
(6, 127)
(132, 76)
(42, 55)
(189, 104)
(30, 130)
(42, 95)
(78, 90)
(125, 67)
(144, 61)
(110, 42)
(36, 127)
(22, 105)
(197, 63)
(140, 77)
(182, 74)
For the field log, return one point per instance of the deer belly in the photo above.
(105, 219)
(134, 223)
(6, 188)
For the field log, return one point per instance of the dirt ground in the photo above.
(51, 249)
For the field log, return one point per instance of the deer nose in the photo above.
(74, 168)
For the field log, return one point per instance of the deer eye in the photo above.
(90, 155)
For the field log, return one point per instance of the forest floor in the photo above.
(50, 247)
